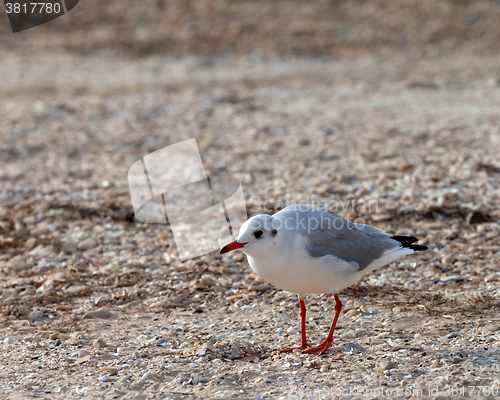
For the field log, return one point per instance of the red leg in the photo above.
(304, 345)
(323, 347)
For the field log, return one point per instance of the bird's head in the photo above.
(257, 235)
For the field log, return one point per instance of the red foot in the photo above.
(289, 349)
(319, 349)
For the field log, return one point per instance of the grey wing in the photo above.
(354, 243)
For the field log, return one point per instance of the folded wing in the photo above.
(329, 234)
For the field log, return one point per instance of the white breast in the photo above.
(297, 272)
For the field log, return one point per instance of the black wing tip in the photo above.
(417, 247)
(406, 241)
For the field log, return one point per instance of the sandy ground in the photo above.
(95, 305)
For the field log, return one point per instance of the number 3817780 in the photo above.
(32, 8)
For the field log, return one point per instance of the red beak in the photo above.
(232, 246)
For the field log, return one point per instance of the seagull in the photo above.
(303, 250)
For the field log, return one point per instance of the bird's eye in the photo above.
(258, 233)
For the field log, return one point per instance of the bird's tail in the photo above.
(406, 241)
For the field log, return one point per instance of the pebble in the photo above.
(195, 378)
(69, 247)
(35, 315)
(99, 314)
(105, 378)
(149, 377)
(88, 243)
(112, 371)
(259, 287)
(477, 217)
(448, 259)
(381, 217)
(217, 288)
(77, 288)
(347, 335)
(359, 333)
(236, 352)
(99, 343)
(352, 313)
(82, 360)
(100, 301)
(354, 347)
(178, 379)
(386, 364)
(74, 342)
(207, 282)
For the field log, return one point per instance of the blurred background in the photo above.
(319, 28)
(392, 103)
(322, 84)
